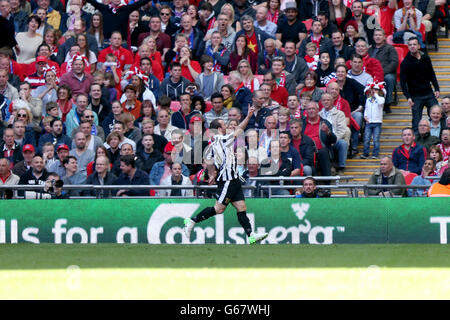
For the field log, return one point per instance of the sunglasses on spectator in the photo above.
(164, 14)
(89, 116)
(21, 115)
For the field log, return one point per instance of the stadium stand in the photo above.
(151, 101)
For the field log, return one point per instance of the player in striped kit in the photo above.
(222, 168)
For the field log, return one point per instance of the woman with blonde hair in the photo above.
(228, 10)
(154, 55)
(283, 119)
(248, 79)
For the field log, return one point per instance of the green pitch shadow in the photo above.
(50, 256)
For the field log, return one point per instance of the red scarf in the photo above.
(338, 103)
(281, 81)
(404, 15)
(239, 87)
(445, 152)
(306, 89)
(65, 109)
(251, 85)
(114, 8)
(211, 23)
(273, 17)
(317, 42)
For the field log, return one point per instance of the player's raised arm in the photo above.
(243, 124)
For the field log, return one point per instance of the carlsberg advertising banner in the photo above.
(288, 221)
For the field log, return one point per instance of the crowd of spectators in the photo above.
(118, 92)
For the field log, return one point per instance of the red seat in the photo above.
(175, 106)
(402, 51)
(308, 24)
(260, 78)
(423, 32)
(409, 176)
(208, 106)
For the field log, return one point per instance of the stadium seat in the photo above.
(175, 106)
(389, 40)
(208, 106)
(423, 32)
(409, 177)
(260, 78)
(402, 51)
(308, 24)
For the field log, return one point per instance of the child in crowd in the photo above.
(110, 84)
(52, 109)
(305, 98)
(373, 115)
(312, 57)
(325, 69)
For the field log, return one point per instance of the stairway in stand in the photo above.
(400, 117)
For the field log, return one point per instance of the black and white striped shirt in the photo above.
(221, 150)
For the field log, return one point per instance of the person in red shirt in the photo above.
(190, 69)
(124, 56)
(279, 94)
(383, 14)
(321, 132)
(148, 50)
(370, 65)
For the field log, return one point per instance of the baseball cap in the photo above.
(169, 147)
(291, 6)
(41, 59)
(62, 146)
(28, 147)
(195, 118)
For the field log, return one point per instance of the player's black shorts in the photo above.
(229, 191)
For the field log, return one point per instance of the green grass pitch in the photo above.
(224, 271)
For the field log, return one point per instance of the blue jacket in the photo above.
(182, 122)
(48, 137)
(140, 178)
(412, 161)
(244, 97)
(158, 170)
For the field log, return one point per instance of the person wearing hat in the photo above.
(161, 170)
(37, 78)
(292, 29)
(36, 175)
(23, 166)
(57, 166)
(44, 51)
(351, 33)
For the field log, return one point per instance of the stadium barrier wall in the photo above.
(294, 221)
